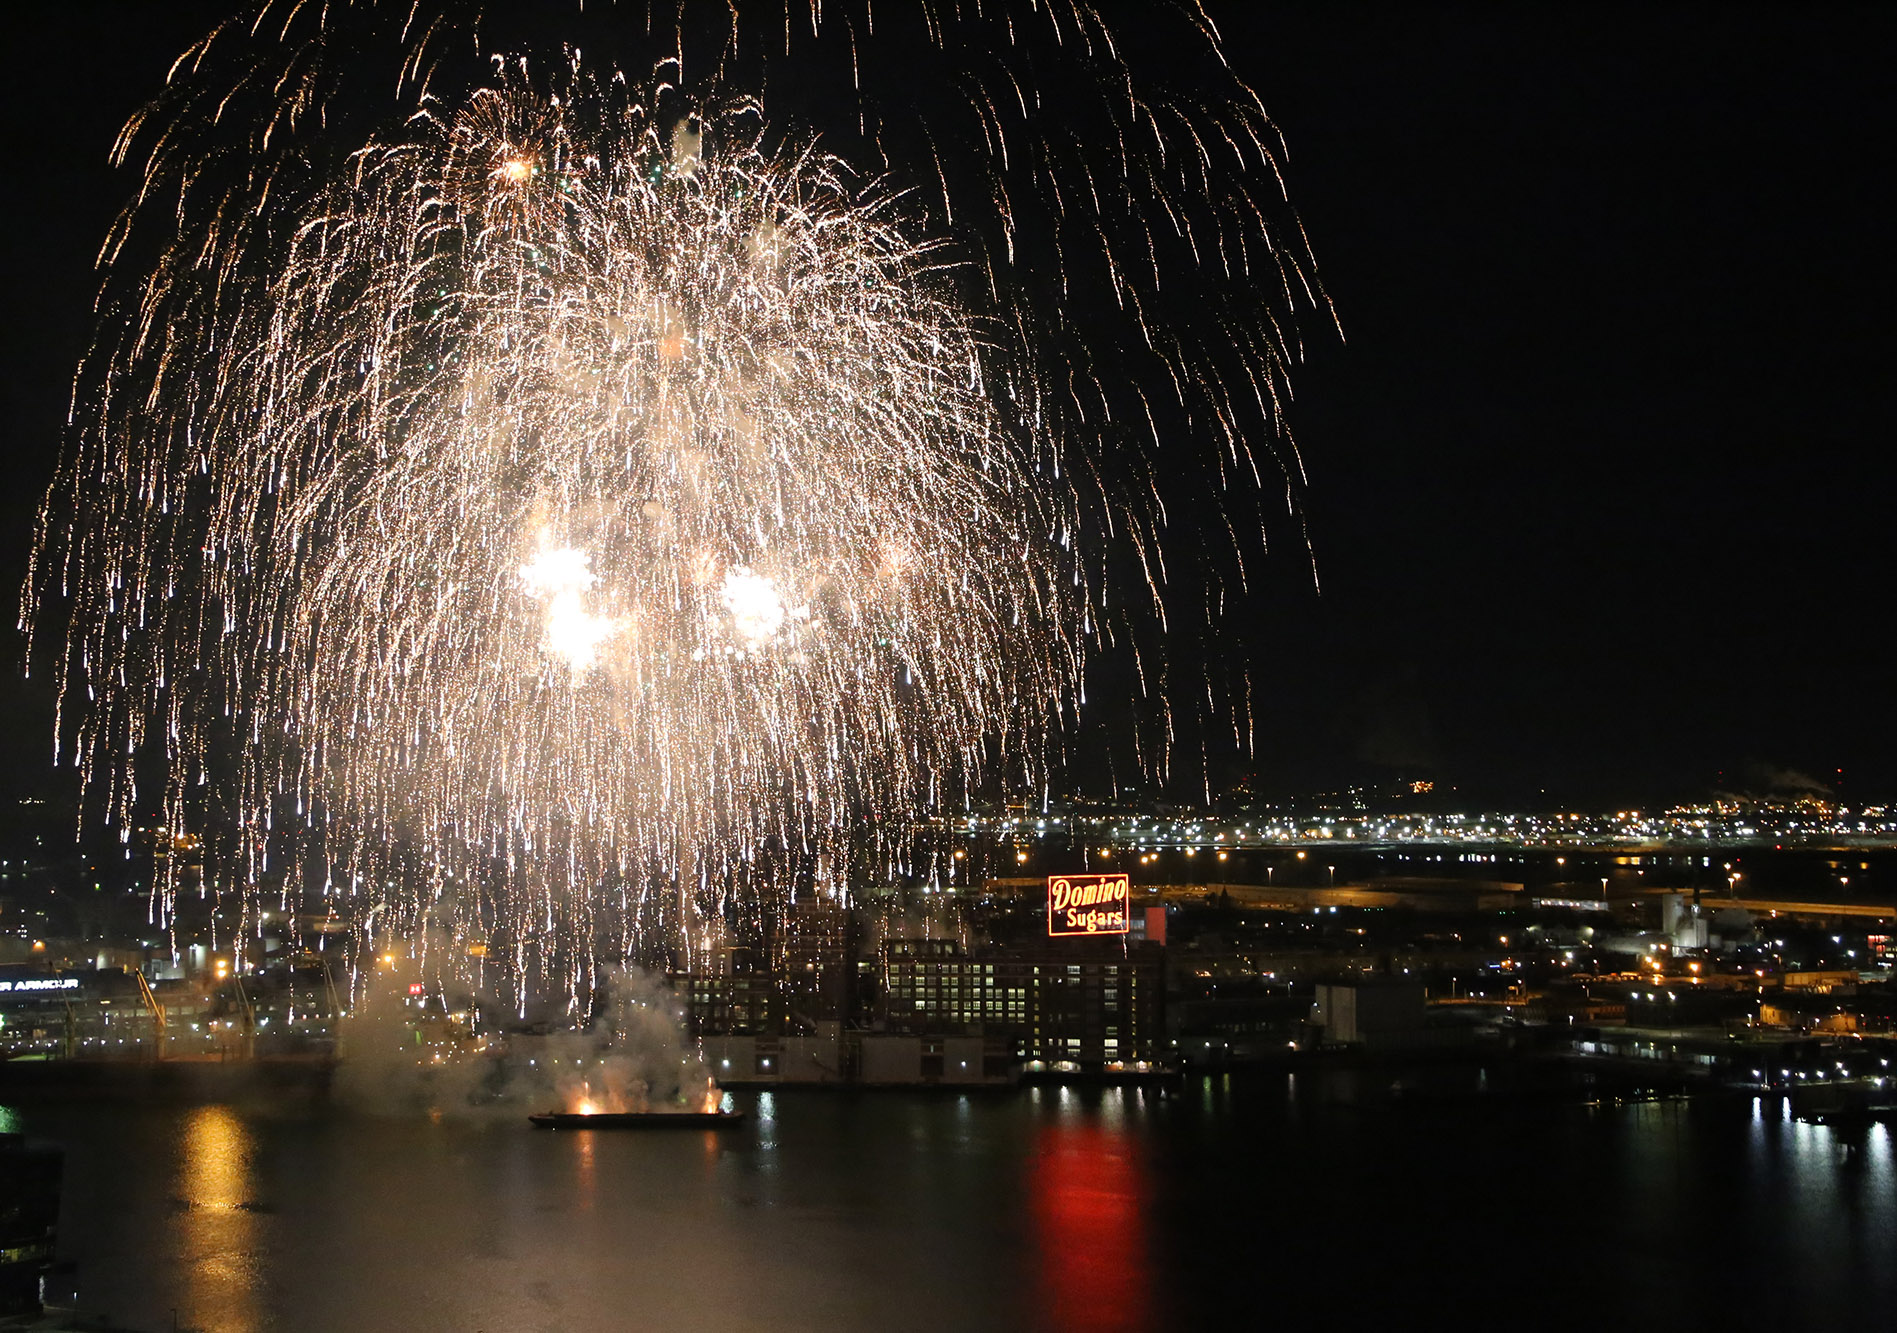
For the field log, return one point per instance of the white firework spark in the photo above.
(525, 520)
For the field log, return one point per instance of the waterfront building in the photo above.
(731, 1003)
(1096, 1003)
(811, 954)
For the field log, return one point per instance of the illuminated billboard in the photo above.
(1087, 904)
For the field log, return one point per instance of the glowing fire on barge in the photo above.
(586, 1109)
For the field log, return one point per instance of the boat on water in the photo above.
(636, 1119)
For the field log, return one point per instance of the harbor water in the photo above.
(1339, 1196)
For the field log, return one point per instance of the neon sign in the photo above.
(1087, 904)
(41, 983)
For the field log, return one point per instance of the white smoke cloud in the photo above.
(633, 1057)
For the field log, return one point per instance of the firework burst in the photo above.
(524, 519)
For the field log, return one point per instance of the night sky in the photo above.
(1598, 470)
(1600, 479)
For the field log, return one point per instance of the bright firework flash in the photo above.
(536, 510)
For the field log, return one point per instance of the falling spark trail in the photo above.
(530, 512)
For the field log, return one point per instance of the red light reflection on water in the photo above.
(1089, 1193)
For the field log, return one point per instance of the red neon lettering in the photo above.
(1087, 904)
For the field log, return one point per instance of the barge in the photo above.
(636, 1119)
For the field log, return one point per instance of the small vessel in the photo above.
(636, 1119)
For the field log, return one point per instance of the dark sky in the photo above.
(1599, 470)
(1600, 477)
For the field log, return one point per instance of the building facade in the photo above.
(1093, 1003)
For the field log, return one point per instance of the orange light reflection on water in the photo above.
(585, 1170)
(219, 1221)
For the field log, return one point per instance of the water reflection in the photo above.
(1090, 1195)
(1057, 1209)
(766, 1127)
(218, 1221)
(583, 1143)
(1878, 1155)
